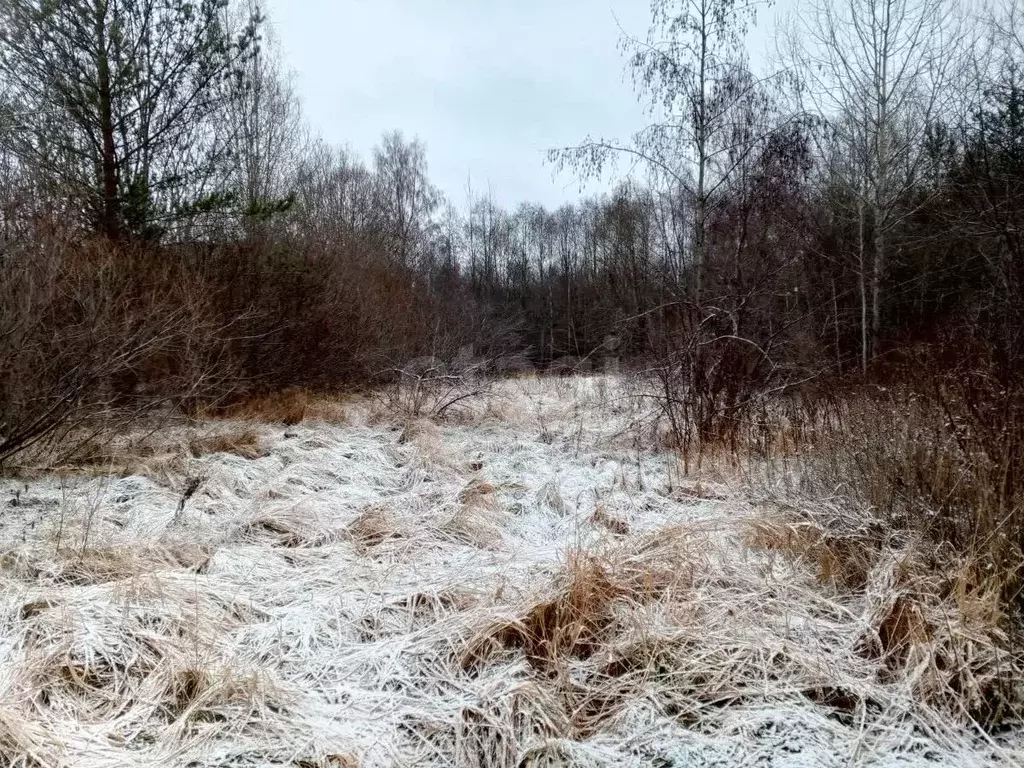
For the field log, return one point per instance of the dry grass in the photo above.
(290, 531)
(23, 744)
(374, 526)
(352, 601)
(198, 694)
(698, 491)
(950, 651)
(478, 493)
(550, 496)
(934, 626)
(152, 452)
(842, 561)
(572, 638)
(606, 519)
(419, 431)
(76, 658)
(109, 564)
(247, 445)
(943, 465)
(477, 520)
(498, 410)
(329, 761)
(143, 452)
(289, 407)
(577, 621)
(933, 463)
(653, 615)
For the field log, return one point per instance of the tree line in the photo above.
(824, 216)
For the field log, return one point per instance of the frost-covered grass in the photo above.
(522, 585)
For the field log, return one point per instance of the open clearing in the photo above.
(519, 587)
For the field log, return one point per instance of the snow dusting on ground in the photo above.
(371, 593)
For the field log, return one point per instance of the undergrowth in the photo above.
(925, 470)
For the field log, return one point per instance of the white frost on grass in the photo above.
(353, 598)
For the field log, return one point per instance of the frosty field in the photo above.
(519, 585)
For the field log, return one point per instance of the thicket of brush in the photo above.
(918, 469)
(94, 333)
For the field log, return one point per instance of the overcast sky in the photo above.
(488, 85)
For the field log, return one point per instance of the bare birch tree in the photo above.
(879, 72)
(693, 69)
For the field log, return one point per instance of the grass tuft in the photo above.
(289, 407)
(246, 444)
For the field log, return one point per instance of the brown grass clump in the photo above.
(842, 561)
(187, 686)
(99, 566)
(103, 565)
(197, 694)
(478, 493)
(577, 622)
(577, 638)
(245, 444)
(323, 410)
(289, 407)
(571, 625)
(373, 527)
(902, 627)
(945, 638)
(606, 520)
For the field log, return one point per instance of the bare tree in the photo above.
(407, 200)
(693, 69)
(879, 71)
(90, 334)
